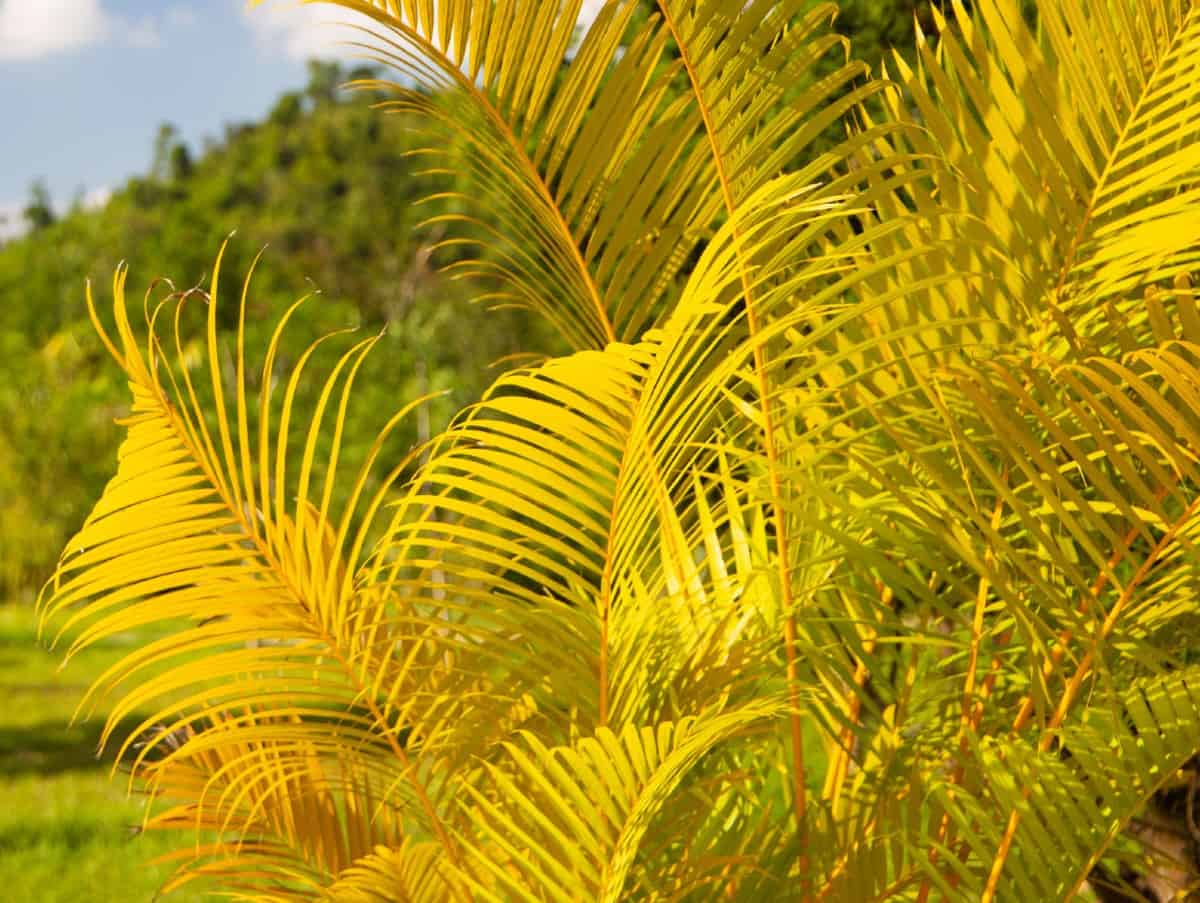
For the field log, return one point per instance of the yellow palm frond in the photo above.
(865, 506)
(408, 873)
(600, 173)
(1075, 146)
(212, 528)
(265, 810)
(541, 841)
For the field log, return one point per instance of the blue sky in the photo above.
(84, 84)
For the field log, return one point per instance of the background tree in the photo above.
(39, 211)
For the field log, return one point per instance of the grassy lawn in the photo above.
(65, 827)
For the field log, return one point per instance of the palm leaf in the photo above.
(408, 873)
(599, 180)
(1077, 150)
(190, 528)
(545, 828)
(903, 436)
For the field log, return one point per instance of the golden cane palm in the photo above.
(849, 556)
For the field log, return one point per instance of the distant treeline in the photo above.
(325, 184)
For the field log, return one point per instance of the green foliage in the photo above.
(68, 830)
(848, 554)
(326, 184)
(38, 212)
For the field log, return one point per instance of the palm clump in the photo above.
(847, 557)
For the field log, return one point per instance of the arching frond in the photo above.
(270, 816)
(600, 173)
(542, 840)
(409, 873)
(1075, 147)
(212, 527)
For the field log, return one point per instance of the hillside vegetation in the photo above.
(326, 185)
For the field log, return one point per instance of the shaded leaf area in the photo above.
(46, 747)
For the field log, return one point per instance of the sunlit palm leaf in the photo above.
(197, 525)
(904, 436)
(543, 839)
(1077, 152)
(409, 873)
(601, 180)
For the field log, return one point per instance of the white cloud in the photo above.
(12, 221)
(30, 29)
(95, 198)
(180, 17)
(304, 32)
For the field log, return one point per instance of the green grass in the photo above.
(66, 828)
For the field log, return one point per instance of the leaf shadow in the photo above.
(54, 747)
